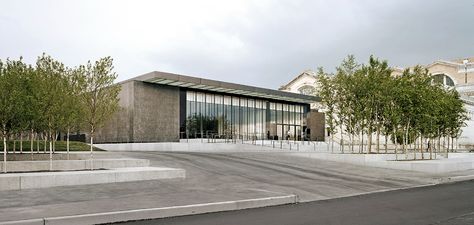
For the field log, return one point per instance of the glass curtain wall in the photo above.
(286, 122)
(233, 117)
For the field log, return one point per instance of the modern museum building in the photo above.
(165, 107)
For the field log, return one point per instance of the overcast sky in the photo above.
(261, 43)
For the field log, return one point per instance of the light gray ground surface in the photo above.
(211, 177)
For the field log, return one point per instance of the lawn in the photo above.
(60, 146)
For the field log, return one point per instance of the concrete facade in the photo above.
(148, 113)
(316, 122)
(156, 113)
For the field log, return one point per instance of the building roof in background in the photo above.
(305, 73)
(184, 81)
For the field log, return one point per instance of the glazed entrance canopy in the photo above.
(223, 87)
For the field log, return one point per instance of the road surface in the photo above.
(447, 204)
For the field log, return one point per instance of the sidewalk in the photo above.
(89, 199)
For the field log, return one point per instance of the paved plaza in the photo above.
(212, 177)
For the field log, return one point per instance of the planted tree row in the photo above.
(43, 100)
(364, 102)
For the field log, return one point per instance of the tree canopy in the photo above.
(367, 100)
(49, 98)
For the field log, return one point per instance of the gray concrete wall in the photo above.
(156, 113)
(316, 123)
(119, 127)
(148, 113)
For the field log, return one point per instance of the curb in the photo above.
(156, 213)
(454, 179)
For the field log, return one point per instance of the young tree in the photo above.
(51, 88)
(100, 95)
(328, 99)
(73, 109)
(343, 96)
(10, 100)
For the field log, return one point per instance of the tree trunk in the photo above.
(92, 151)
(67, 143)
(329, 142)
(50, 151)
(386, 143)
(378, 139)
(407, 138)
(457, 144)
(444, 143)
(14, 145)
(54, 138)
(342, 140)
(332, 143)
(4, 149)
(439, 144)
(421, 147)
(32, 138)
(447, 149)
(452, 144)
(37, 137)
(396, 144)
(369, 142)
(430, 142)
(21, 142)
(404, 141)
(45, 136)
(415, 147)
(352, 142)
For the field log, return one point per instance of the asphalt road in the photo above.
(447, 204)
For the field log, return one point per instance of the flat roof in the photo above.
(177, 80)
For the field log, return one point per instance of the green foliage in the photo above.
(100, 95)
(50, 98)
(60, 146)
(368, 99)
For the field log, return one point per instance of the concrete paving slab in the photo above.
(212, 177)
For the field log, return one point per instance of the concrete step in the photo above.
(43, 165)
(20, 181)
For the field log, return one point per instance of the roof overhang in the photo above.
(176, 80)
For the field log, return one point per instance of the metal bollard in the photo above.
(290, 146)
(297, 147)
(281, 144)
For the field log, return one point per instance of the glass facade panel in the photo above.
(235, 117)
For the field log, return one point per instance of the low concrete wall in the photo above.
(20, 181)
(219, 145)
(457, 163)
(30, 166)
(176, 146)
